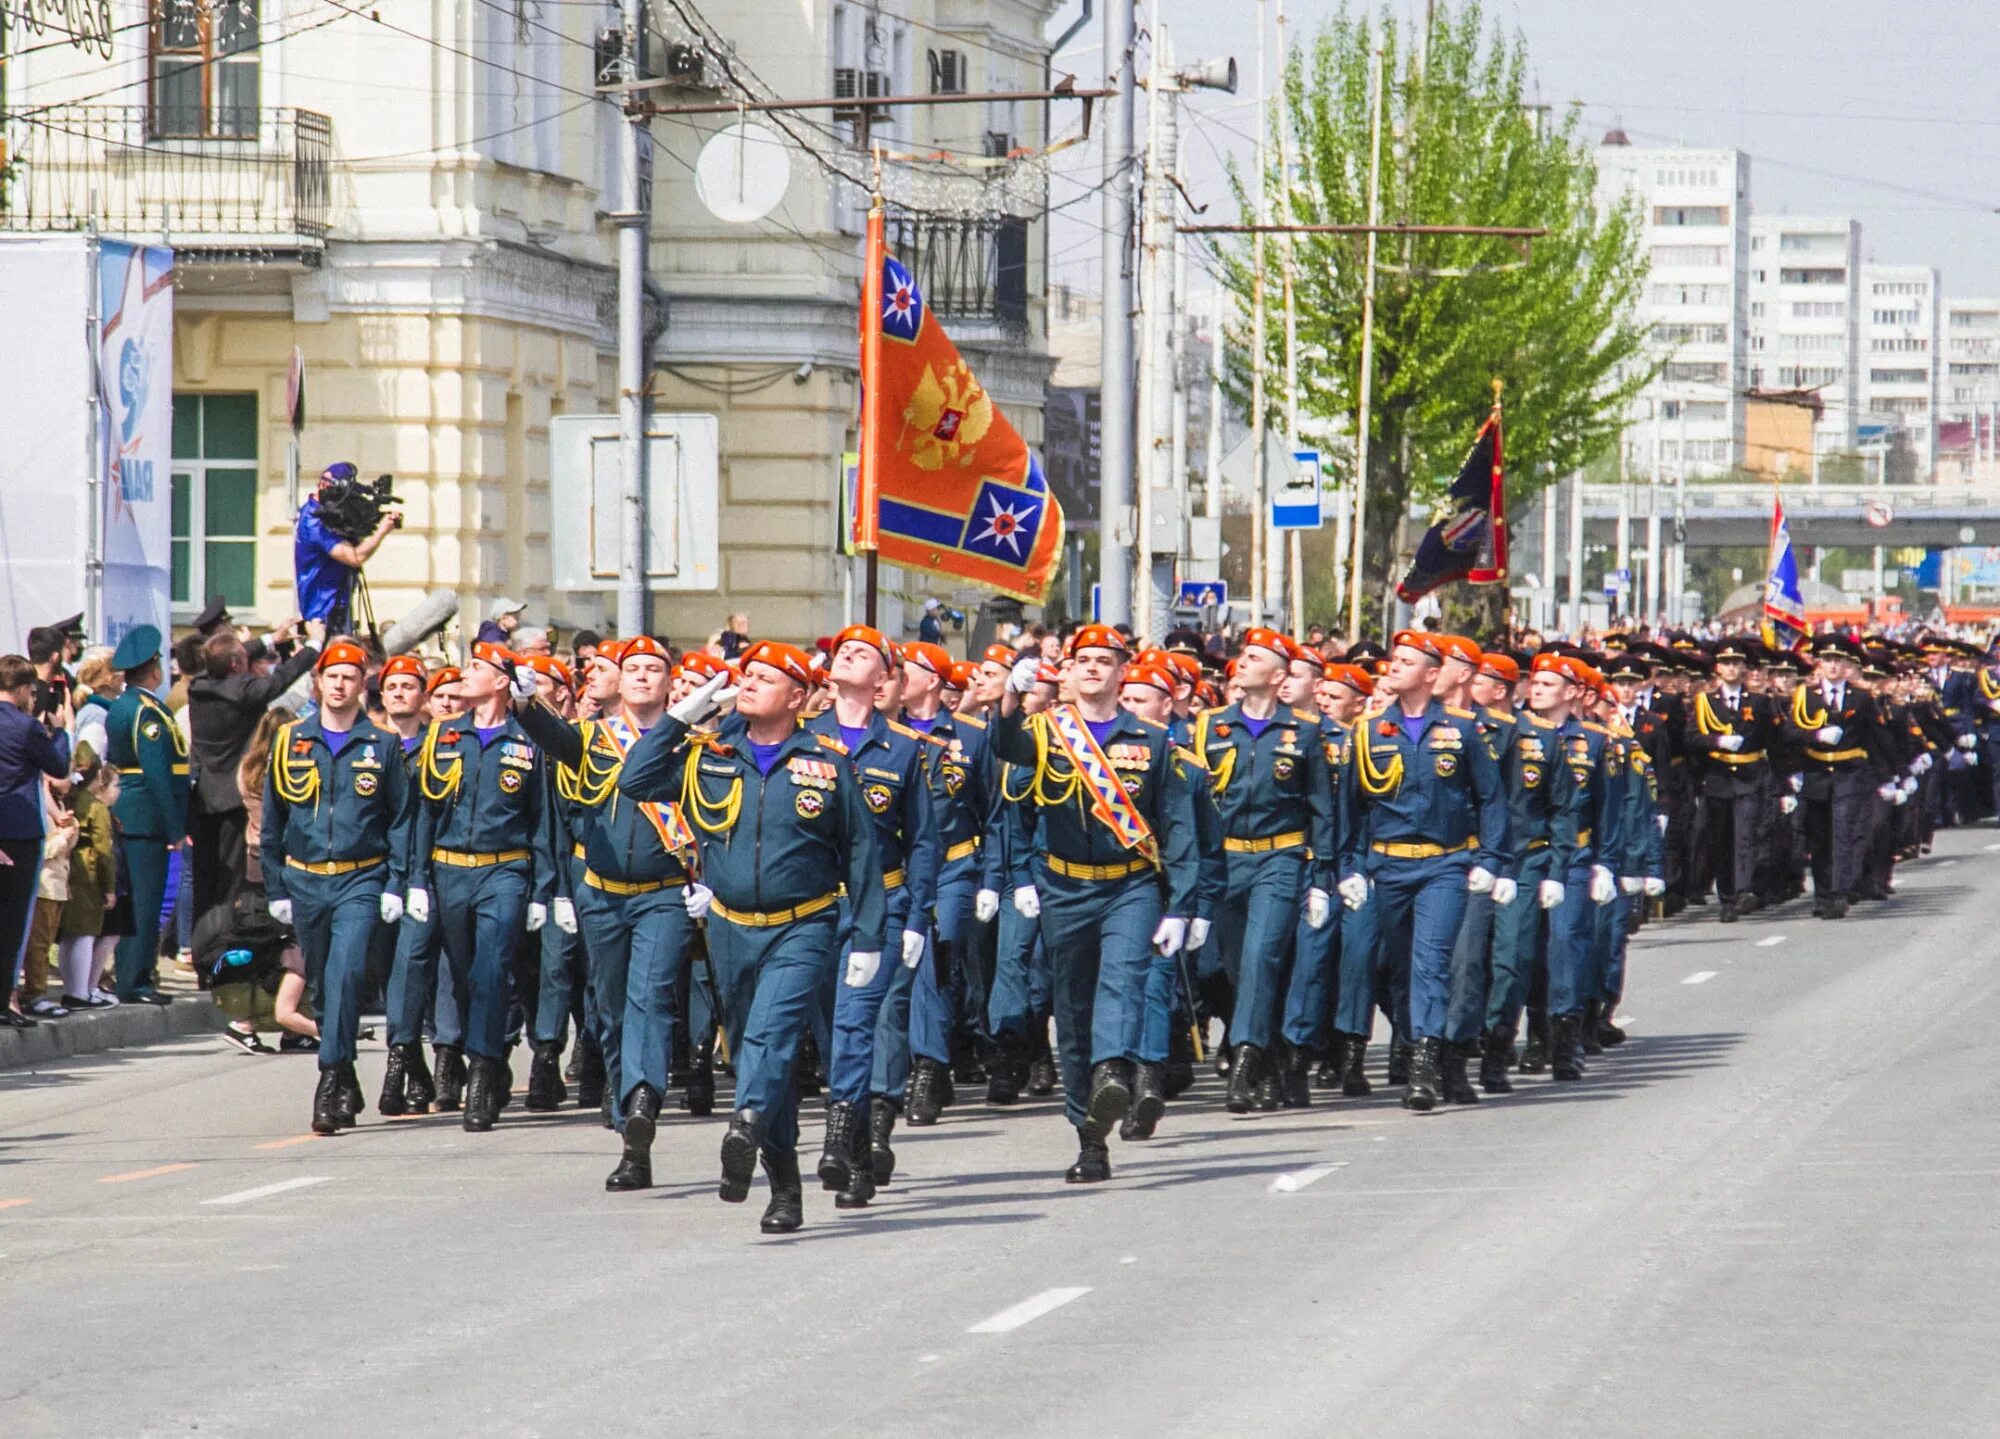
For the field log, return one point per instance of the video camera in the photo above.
(352, 507)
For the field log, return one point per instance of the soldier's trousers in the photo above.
(1309, 983)
(1615, 925)
(1728, 843)
(1360, 974)
(334, 916)
(414, 986)
(146, 866)
(1420, 904)
(1521, 942)
(1099, 935)
(1472, 965)
(638, 944)
(1840, 812)
(1019, 1001)
(850, 1050)
(1572, 944)
(563, 980)
(1254, 925)
(934, 1008)
(771, 982)
(480, 915)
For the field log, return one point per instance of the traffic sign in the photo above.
(1097, 604)
(1616, 582)
(1296, 505)
(1202, 594)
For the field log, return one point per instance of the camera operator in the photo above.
(328, 550)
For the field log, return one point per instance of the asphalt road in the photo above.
(1772, 1212)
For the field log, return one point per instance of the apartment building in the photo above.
(1694, 207)
(1805, 320)
(1901, 355)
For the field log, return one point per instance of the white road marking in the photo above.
(1028, 1310)
(1990, 848)
(1944, 864)
(1700, 976)
(927, 1359)
(1130, 1259)
(1299, 1178)
(1772, 941)
(265, 1191)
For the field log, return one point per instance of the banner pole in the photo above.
(867, 498)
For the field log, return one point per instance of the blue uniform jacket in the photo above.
(483, 799)
(1274, 783)
(621, 840)
(150, 752)
(963, 788)
(321, 807)
(1541, 800)
(1443, 788)
(1597, 776)
(892, 764)
(768, 842)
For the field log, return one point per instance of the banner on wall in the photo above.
(135, 293)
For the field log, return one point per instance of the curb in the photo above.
(121, 1028)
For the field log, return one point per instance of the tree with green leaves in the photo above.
(1463, 143)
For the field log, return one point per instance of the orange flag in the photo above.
(945, 483)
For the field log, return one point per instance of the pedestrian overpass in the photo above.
(1717, 515)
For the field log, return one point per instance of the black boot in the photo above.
(503, 1081)
(1452, 1083)
(1268, 1076)
(1498, 1050)
(1400, 1052)
(419, 1089)
(1243, 1067)
(787, 1209)
(1149, 1102)
(740, 1147)
(1608, 1034)
(700, 1091)
(1586, 1030)
(1179, 1077)
(925, 1098)
(590, 1077)
(1327, 1076)
(395, 1082)
(881, 1124)
(642, 1118)
(1564, 1061)
(451, 1077)
(546, 1090)
(1422, 1093)
(1008, 1070)
(1110, 1099)
(348, 1103)
(326, 1099)
(482, 1105)
(1353, 1057)
(1295, 1085)
(1093, 1161)
(861, 1172)
(837, 1154)
(1042, 1075)
(1535, 1053)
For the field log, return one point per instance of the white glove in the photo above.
(538, 915)
(1993, 705)
(392, 907)
(417, 905)
(985, 905)
(1027, 903)
(1902, 797)
(1730, 742)
(1922, 763)
(1319, 908)
(521, 682)
(1631, 883)
(1353, 891)
(1603, 885)
(1197, 933)
(1660, 823)
(703, 700)
(1787, 803)
(1910, 789)
(1966, 741)
(1829, 734)
(1479, 880)
(1888, 792)
(563, 912)
(1549, 893)
(1021, 678)
(1171, 936)
(698, 898)
(1655, 887)
(913, 948)
(1505, 890)
(862, 965)
(1972, 760)
(1797, 782)
(281, 910)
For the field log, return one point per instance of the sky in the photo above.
(1886, 112)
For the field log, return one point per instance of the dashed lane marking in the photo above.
(1772, 941)
(1029, 1310)
(1700, 976)
(288, 1143)
(265, 1191)
(1298, 1179)
(153, 1173)
(14, 1203)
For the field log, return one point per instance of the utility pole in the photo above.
(1575, 625)
(1260, 514)
(635, 193)
(1294, 543)
(1213, 507)
(1357, 569)
(1116, 540)
(1653, 527)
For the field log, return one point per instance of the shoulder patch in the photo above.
(1537, 721)
(1456, 713)
(974, 720)
(1305, 716)
(831, 742)
(1595, 728)
(1500, 716)
(1154, 725)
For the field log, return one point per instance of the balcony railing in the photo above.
(263, 189)
(969, 269)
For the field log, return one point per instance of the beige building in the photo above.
(414, 196)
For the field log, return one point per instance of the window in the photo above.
(1756, 309)
(1899, 377)
(1901, 287)
(1691, 334)
(1807, 376)
(1688, 255)
(1688, 294)
(1896, 317)
(1899, 347)
(1812, 244)
(203, 69)
(1819, 309)
(215, 500)
(1812, 277)
(1815, 342)
(1697, 374)
(1690, 214)
(1911, 405)
(947, 72)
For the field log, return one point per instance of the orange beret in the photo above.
(497, 655)
(1568, 666)
(554, 668)
(1047, 675)
(1500, 668)
(704, 664)
(1158, 676)
(1098, 637)
(1186, 667)
(1458, 647)
(788, 660)
(873, 638)
(642, 645)
(1000, 655)
(1268, 639)
(342, 652)
(1418, 640)
(402, 665)
(935, 658)
(449, 675)
(1353, 676)
(963, 673)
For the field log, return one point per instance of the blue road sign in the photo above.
(1203, 594)
(1296, 505)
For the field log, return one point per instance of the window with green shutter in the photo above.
(215, 500)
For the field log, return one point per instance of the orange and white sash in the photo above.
(666, 818)
(1108, 799)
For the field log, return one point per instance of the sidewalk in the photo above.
(93, 1031)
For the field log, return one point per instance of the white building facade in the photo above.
(1805, 326)
(1901, 356)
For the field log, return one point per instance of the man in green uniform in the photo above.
(151, 753)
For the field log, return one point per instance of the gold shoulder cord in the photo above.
(1225, 768)
(1375, 782)
(1044, 796)
(712, 817)
(1987, 689)
(589, 783)
(437, 784)
(1705, 718)
(1801, 717)
(296, 783)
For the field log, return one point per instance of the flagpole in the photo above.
(867, 490)
(1356, 571)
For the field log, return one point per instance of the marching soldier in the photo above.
(1345, 693)
(337, 816)
(148, 749)
(1729, 735)
(781, 826)
(1846, 768)
(485, 848)
(408, 1086)
(558, 968)
(1110, 825)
